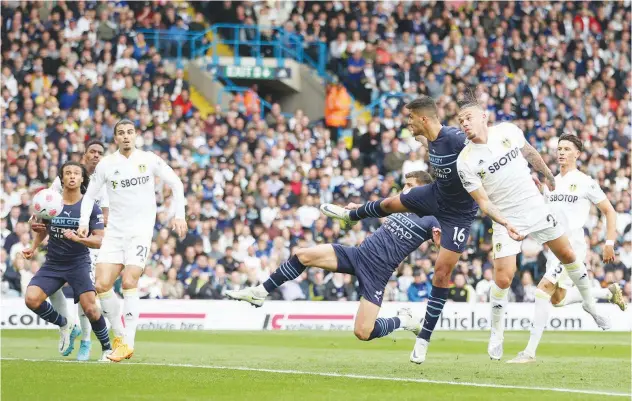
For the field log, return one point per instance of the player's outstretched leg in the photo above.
(322, 256)
(88, 302)
(504, 270)
(86, 329)
(576, 270)
(612, 293)
(60, 304)
(35, 300)
(446, 261)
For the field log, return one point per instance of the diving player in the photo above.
(373, 262)
(94, 151)
(68, 261)
(129, 176)
(445, 199)
(571, 200)
(494, 170)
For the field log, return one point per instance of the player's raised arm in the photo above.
(169, 176)
(96, 183)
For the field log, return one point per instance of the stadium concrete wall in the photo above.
(279, 315)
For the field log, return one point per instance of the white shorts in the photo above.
(540, 224)
(555, 271)
(131, 251)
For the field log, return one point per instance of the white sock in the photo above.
(498, 297)
(601, 293)
(86, 327)
(131, 310)
(540, 319)
(111, 307)
(573, 296)
(58, 300)
(578, 273)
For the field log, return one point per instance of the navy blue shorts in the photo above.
(50, 278)
(372, 278)
(455, 225)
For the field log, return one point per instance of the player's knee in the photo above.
(304, 256)
(503, 281)
(32, 302)
(129, 282)
(546, 286)
(566, 255)
(102, 287)
(442, 274)
(363, 332)
(558, 296)
(91, 311)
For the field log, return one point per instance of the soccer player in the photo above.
(445, 199)
(68, 261)
(128, 175)
(494, 170)
(93, 154)
(373, 262)
(571, 200)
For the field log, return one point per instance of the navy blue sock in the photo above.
(48, 313)
(369, 209)
(436, 301)
(288, 271)
(384, 327)
(100, 329)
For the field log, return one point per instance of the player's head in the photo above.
(125, 135)
(472, 117)
(94, 152)
(568, 150)
(423, 116)
(416, 179)
(74, 176)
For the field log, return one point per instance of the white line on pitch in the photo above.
(343, 375)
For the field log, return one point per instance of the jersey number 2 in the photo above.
(459, 234)
(142, 251)
(551, 219)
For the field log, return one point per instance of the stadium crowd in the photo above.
(71, 70)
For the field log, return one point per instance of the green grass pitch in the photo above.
(291, 365)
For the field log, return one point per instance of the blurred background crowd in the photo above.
(70, 70)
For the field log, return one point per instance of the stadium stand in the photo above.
(70, 70)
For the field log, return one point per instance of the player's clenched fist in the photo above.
(71, 235)
(513, 233)
(37, 225)
(28, 253)
(82, 232)
(436, 235)
(180, 227)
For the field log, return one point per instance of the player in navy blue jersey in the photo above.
(445, 199)
(68, 261)
(373, 262)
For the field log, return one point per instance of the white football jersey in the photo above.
(131, 189)
(499, 167)
(571, 200)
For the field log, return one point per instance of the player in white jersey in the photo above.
(129, 176)
(494, 170)
(574, 193)
(94, 150)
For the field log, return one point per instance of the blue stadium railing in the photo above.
(257, 42)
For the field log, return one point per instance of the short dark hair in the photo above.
(124, 121)
(469, 100)
(574, 140)
(92, 142)
(420, 176)
(84, 174)
(423, 103)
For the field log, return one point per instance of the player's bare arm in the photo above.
(93, 241)
(168, 176)
(486, 205)
(535, 160)
(611, 226)
(106, 213)
(37, 241)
